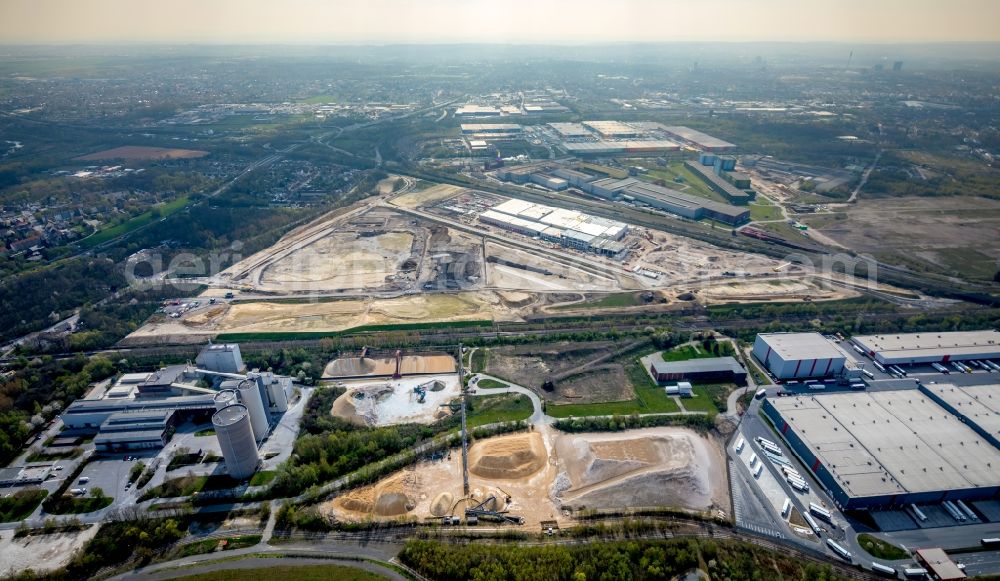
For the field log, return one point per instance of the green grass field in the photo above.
(488, 409)
(19, 505)
(649, 399)
(695, 185)
(139, 221)
(491, 384)
(263, 478)
(703, 400)
(629, 299)
(881, 549)
(80, 505)
(289, 573)
(764, 211)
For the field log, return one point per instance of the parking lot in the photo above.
(758, 501)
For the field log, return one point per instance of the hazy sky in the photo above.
(513, 21)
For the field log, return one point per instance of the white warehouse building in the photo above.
(798, 355)
(930, 347)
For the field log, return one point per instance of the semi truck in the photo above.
(883, 569)
(820, 512)
(811, 522)
(844, 553)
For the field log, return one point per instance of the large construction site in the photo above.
(542, 477)
(446, 254)
(532, 477)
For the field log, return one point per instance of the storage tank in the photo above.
(260, 379)
(279, 402)
(250, 397)
(235, 433)
(225, 398)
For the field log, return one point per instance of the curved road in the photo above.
(376, 555)
(537, 417)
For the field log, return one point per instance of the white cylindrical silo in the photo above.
(235, 433)
(279, 402)
(225, 398)
(261, 386)
(250, 397)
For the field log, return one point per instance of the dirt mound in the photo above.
(205, 316)
(387, 498)
(442, 504)
(393, 504)
(514, 299)
(665, 467)
(508, 457)
(356, 504)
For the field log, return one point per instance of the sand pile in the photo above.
(442, 504)
(665, 468)
(388, 498)
(508, 457)
(514, 299)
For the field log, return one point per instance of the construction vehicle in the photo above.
(474, 514)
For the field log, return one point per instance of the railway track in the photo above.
(446, 339)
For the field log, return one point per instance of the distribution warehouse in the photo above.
(798, 355)
(909, 348)
(887, 448)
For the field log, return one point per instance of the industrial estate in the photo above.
(371, 320)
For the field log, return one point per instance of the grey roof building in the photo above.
(720, 368)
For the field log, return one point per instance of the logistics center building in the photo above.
(798, 355)
(886, 448)
(910, 348)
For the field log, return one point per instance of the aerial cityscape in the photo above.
(446, 298)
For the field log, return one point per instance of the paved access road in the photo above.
(342, 553)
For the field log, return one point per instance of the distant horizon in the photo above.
(304, 44)
(514, 22)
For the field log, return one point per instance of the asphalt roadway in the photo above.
(368, 556)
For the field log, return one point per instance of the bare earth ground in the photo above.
(956, 232)
(545, 471)
(332, 315)
(561, 277)
(378, 366)
(660, 467)
(531, 365)
(394, 401)
(142, 152)
(680, 259)
(783, 289)
(40, 552)
(414, 200)
(340, 260)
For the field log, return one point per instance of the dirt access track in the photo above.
(547, 473)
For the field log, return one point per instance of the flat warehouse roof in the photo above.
(570, 129)
(890, 442)
(696, 136)
(790, 346)
(490, 127)
(980, 404)
(710, 364)
(931, 344)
